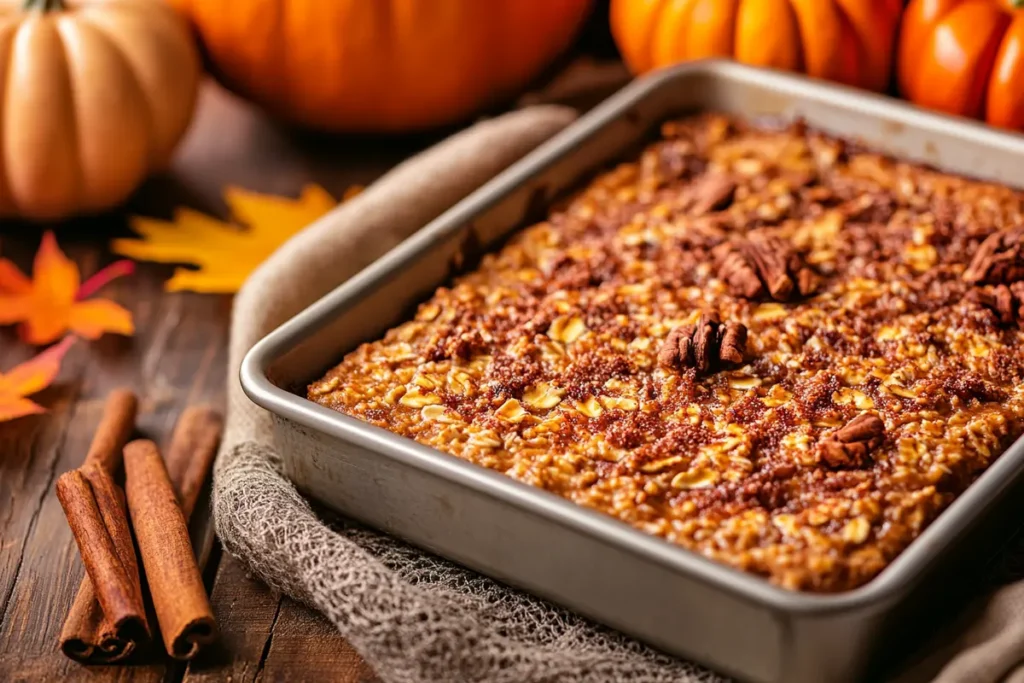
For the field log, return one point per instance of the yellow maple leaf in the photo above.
(224, 253)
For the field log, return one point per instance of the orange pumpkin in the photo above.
(965, 57)
(97, 95)
(380, 65)
(850, 41)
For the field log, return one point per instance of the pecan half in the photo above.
(851, 445)
(1006, 302)
(761, 265)
(999, 260)
(706, 347)
(711, 192)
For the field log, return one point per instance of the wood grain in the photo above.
(306, 646)
(178, 358)
(246, 610)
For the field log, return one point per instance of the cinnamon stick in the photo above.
(114, 430)
(114, 510)
(86, 636)
(179, 597)
(118, 593)
(193, 447)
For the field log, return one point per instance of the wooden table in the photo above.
(177, 358)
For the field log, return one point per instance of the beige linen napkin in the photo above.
(416, 618)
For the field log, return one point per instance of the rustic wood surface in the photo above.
(177, 358)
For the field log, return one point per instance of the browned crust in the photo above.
(543, 363)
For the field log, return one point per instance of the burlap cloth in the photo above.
(414, 617)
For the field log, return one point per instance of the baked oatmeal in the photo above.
(774, 348)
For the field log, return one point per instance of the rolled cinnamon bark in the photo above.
(114, 430)
(179, 597)
(118, 594)
(86, 636)
(112, 506)
(193, 447)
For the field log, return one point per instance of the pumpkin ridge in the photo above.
(50, 203)
(800, 43)
(849, 33)
(280, 77)
(1004, 101)
(704, 27)
(7, 202)
(986, 64)
(644, 43)
(818, 28)
(650, 33)
(170, 45)
(667, 40)
(116, 46)
(103, 182)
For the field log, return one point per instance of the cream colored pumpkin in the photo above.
(95, 96)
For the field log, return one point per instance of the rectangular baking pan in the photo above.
(665, 595)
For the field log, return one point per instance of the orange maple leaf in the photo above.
(29, 378)
(53, 301)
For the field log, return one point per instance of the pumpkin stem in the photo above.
(44, 5)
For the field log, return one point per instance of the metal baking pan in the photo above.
(663, 594)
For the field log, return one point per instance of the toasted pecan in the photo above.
(711, 192)
(999, 260)
(706, 347)
(762, 266)
(1005, 301)
(851, 445)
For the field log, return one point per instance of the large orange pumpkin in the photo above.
(965, 57)
(380, 65)
(850, 41)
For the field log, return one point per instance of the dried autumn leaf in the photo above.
(54, 300)
(29, 378)
(224, 253)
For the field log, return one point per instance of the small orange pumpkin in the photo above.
(96, 96)
(380, 65)
(965, 57)
(850, 41)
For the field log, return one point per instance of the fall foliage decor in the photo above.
(97, 96)
(849, 41)
(54, 300)
(225, 253)
(965, 57)
(29, 378)
(380, 65)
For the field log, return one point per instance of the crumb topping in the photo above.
(775, 348)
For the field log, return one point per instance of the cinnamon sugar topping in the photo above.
(882, 370)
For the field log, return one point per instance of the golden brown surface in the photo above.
(876, 380)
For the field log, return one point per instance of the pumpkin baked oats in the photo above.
(774, 348)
